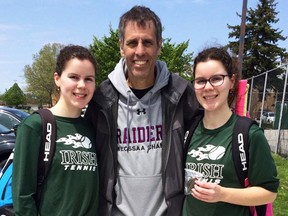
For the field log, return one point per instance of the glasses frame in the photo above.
(209, 80)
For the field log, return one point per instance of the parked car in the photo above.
(268, 117)
(9, 119)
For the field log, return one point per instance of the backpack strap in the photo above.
(189, 134)
(5, 180)
(47, 148)
(240, 154)
(240, 148)
(7, 163)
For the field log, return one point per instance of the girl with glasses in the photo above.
(218, 191)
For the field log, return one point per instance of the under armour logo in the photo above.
(139, 111)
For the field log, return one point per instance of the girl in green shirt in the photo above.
(219, 192)
(71, 187)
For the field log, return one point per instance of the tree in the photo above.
(175, 58)
(39, 76)
(261, 51)
(14, 96)
(107, 54)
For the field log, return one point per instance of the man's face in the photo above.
(140, 49)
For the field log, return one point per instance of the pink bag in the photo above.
(269, 210)
(253, 209)
(241, 110)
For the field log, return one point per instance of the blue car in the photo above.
(9, 119)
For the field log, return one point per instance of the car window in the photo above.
(20, 113)
(3, 128)
(8, 121)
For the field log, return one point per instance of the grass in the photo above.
(281, 202)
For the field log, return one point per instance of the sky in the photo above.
(27, 25)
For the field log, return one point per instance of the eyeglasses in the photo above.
(216, 80)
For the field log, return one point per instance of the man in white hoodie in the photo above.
(141, 113)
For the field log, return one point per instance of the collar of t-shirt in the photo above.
(139, 93)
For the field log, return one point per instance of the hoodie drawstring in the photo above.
(128, 124)
(128, 118)
(149, 119)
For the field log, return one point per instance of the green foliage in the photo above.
(175, 58)
(261, 51)
(39, 76)
(107, 54)
(280, 204)
(14, 96)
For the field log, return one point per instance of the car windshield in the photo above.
(11, 117)
(20, 113)
(4, 129)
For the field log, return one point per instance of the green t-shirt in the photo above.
(71, 187)
(210, 153)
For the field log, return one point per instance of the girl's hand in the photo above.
(250, 196)
(207, 192)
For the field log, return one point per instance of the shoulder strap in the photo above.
(47, 147)
(240, 147)
(240, 154)
(189, 134)
(7, 163)
(6, 175)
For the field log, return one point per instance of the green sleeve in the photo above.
(24, 178)
(262, 169)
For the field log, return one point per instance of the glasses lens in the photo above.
(199, 83)
(216, 80)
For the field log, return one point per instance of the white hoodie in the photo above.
(139, 187)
